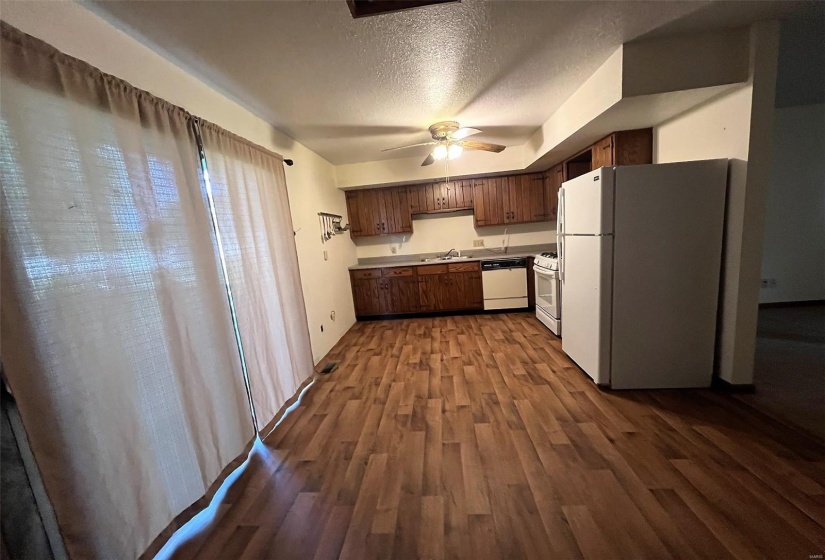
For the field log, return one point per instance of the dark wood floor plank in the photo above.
(476, 437)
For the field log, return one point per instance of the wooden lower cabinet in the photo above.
(431, 292)
(401, 295)
(427, 288)
(465, 291)
(366, 295)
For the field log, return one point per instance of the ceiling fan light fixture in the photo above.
(440, 152)
(454, 151)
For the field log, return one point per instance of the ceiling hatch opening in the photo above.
(365, 8)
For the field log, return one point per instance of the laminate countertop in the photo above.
(477, 254)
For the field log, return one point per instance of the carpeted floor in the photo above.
(790, 366)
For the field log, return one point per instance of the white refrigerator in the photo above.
(640, 251)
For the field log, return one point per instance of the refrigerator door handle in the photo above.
(561, 212)
(560, 235)
(561, 258)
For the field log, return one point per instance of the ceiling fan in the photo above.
(449, 141)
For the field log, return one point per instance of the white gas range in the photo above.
(548, 291)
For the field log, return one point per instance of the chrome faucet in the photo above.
(447, 254)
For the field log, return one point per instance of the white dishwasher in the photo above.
(505, 283)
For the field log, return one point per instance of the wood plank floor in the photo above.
(475, 437)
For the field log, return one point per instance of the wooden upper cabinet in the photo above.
(602, 153)
(397, 210)
(459, 194)
(553, 178)
(441, 196)
(627, 147)
(379, 212)
(633, 147)
(488, 204)
(354, 214)
(516, 199)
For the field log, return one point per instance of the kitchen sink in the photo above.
(439, 259)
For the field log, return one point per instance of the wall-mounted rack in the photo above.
(331, 225)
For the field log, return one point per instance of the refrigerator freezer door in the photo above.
(587, 204)
(586, 302)
(667, 254)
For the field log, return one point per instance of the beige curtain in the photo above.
(252, 206)
(116, 336)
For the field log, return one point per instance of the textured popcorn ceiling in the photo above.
(349, 88)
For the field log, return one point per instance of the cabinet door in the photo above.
(433, 197)
(554, 177)
(402, 294)
(368, 297)
(451, 292)
(491, 201)
(382, 209)
(395, 207)
(466, 290)
(512, 197)
(369, 212)
(430, 290)
(534, 203)
(365, 212)
(354, 214)
(481, 213)
(417, 197)
(603, 153)
(464, 194)
(458, 195)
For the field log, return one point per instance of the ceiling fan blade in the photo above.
(428, 161)
(464, 132)
(471, 145)
(430, 143)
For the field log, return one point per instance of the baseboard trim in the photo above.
(727, 387)
(804, 303)
(432, 314)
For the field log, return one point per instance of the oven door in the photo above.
(548, 298)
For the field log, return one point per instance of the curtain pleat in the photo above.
(252, 206)
(117, 340)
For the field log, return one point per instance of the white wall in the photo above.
(794, 245)
(735, 125)
(76, 31)
(718, 128)
(439, 233)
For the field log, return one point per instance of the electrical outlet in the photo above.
(393, 250)
(768, 283)
(478, 243)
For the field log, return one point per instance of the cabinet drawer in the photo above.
(398, 271)
(366, 273)
(432, 269)
(464, 267)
